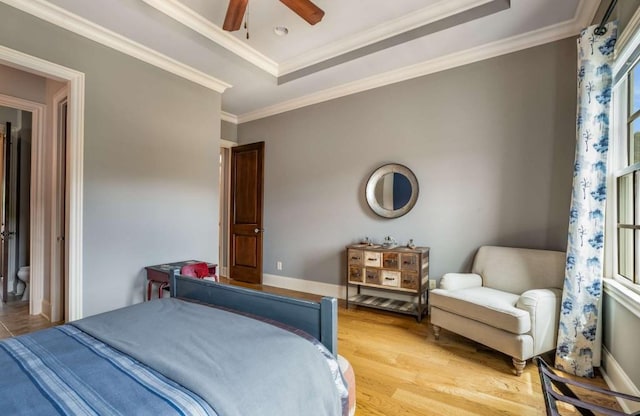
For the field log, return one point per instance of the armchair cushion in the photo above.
(455, 281)
(483, 304)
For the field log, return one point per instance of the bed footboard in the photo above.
(319, 319)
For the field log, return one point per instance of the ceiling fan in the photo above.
(303, 8)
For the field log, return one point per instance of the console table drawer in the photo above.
(356, 274)
(391, 260)
(390, 278)
(409, 280)
(355, 257)
(410, 261)
(372, 259)
(372, 276)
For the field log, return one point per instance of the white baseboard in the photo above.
(46, 309)
(618, 380)
(308, 286)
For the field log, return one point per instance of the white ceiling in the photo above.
(359, 44)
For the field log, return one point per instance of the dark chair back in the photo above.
(563, 393)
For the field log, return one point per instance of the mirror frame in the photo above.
(371, 189)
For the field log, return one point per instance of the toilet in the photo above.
(23, 276)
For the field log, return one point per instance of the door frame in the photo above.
(57, 281)
(75, 163)
(225, 204)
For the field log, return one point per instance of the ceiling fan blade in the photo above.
(305, 9)
(235, 13)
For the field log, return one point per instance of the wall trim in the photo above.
(468, 56)
(307, 286)
(75, 165)
(36, 205)
(83, 27)
(227, 143)
(618, 380)
(46, 310)
(231, 118)
(56, 304)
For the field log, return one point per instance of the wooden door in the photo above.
(4, 192)
(246, 232)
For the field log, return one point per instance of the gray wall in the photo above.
(491, 143)
(150, 161)
(229, 131)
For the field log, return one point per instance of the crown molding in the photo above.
(76, 24)
(199, 24)
(437, 11)
(468, 56)
(228, 117)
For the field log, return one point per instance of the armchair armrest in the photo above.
(543, 306)
(456, 281)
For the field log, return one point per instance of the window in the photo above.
(625, 165)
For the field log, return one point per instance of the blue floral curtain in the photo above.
(583, 274)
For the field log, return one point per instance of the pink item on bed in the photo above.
(199, 270)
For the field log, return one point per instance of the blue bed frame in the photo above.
(319, 319)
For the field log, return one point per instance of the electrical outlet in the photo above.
(432, 284)
(278, 265)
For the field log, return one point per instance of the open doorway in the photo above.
(15, 184)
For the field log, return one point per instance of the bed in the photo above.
(209, 349)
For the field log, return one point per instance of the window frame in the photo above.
(627, 60)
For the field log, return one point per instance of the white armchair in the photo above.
(510, 302)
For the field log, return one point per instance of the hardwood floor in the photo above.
(400, 368)
(15, 319)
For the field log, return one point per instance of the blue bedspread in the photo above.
(169, 357)
(240, 366)
(63, 370)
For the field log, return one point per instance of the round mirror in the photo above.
(392, 190)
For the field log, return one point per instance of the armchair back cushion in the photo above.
(516, 270)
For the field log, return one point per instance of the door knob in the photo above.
(258, 230)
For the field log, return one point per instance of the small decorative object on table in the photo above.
(410, 244)
(389, 241)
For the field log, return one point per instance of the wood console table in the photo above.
(389, 269)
